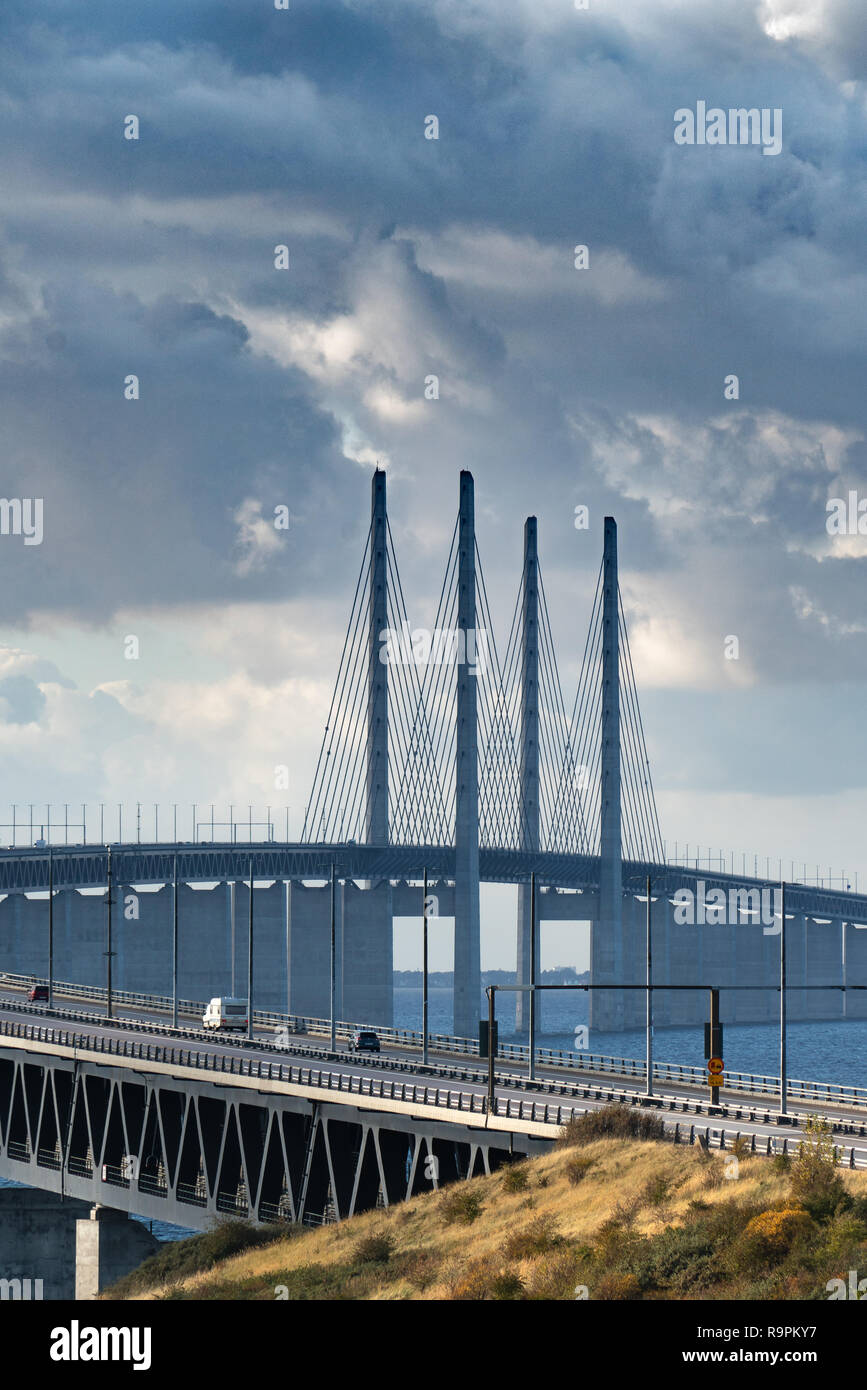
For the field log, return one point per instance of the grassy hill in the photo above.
(626, 1218)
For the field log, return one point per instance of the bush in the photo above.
(620, 1287)
(180, 1259)
(419, 1268)
(376, 1248)
(536, 1239)
(655, 1190)
(768, 1237)
(515, 1178)
(614, 1121)
(556, 1274)
(507, 1286)
(815, 1182)
(577, 1168)
(484, 1278)
(461, 1207)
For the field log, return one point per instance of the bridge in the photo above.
(174, 1124)
(447, 754)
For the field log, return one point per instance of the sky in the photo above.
(409, 257)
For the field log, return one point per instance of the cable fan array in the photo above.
(422, 729)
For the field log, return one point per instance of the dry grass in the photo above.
(531, 1239)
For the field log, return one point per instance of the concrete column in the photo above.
(376, 799)
(824, 966)
(108, 1245)
(309, 961)
(606, 1009)
(529, 770)
(37, 1244)
(856, 969)
(467, 988)
(365, 958)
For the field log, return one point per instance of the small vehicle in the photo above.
(363, 1041)
(38, 994)
(227, 1014)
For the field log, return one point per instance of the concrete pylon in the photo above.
(468, 971)
(376, 789)
(529, 767)
(607, 1007)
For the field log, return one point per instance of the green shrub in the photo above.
(555, 1275)
(506, 1286)
(536, 1239)
(577, 1167)
(620, 1287)
(815, 1181)
(614, 1121)
(477, 1280)
(376, 1248)
(461, 1207)
(180, 1259)
(515, 1178)
(656, 1190)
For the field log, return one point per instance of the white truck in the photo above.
(226, 1013)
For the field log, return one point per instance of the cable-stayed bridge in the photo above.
(447, 751)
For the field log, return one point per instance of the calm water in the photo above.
(818, 1051)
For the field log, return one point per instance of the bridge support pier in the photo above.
(108, 1245)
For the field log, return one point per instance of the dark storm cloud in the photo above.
(140, 496)
(555, 127)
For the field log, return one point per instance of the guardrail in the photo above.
(350, 1083)
(672, 1073)
(545, 1113)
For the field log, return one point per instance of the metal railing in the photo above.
(672, 1073)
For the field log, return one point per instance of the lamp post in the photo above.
(649, 1010)
(175, 948)
(531, 1072)
(783, 1084)
(424, 969)
(50, 928)
(109, 952)
(250, 959)
(333, 963)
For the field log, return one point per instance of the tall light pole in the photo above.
(250, 959)
(50, 928)
(491, 991)
(109, 953)
(649, 1037)
(175, 948)
(532, 1038)
(424, 967)
(783, 1087)
(333, 962)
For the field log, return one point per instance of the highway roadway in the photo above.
(749, 1115)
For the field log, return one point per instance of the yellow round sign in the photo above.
(715, 1066)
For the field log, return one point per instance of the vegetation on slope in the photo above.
(605, 1215)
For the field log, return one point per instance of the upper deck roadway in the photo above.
(86, 866)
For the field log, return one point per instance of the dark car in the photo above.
(38, 994)
(363, 1042)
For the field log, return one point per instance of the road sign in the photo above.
(714, 1078)
(715, 1066)
(483, 1037)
